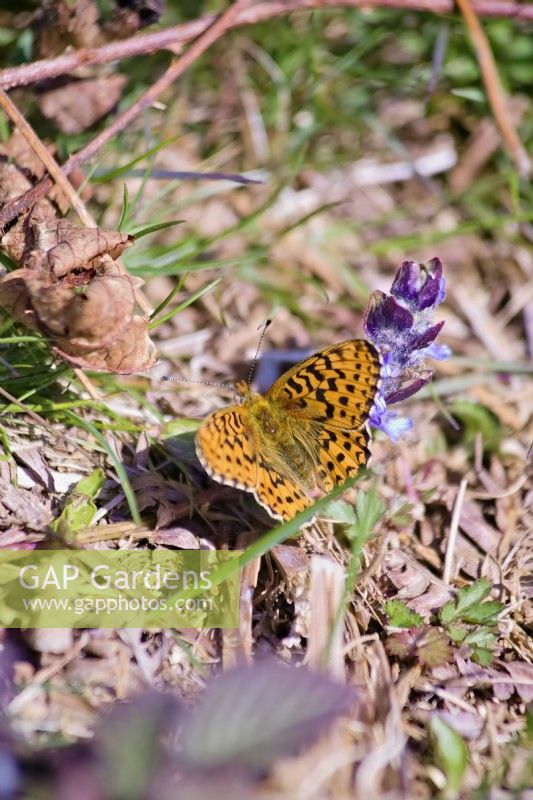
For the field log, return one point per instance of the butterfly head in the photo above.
(244, 389)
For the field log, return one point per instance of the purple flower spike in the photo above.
(385, 314)
(419, 287)
(400, 325)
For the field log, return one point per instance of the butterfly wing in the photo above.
(332, 393)
(337, 386)
(229, 453)
(340, 455)
(227, 449)
(329, 397)
(279, 494)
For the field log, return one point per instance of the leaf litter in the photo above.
(425, 717)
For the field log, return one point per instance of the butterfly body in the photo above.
(309, 431)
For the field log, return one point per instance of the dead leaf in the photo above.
(176, 537)
(65, 24)
(23, 508)
(78, 105)
(49, 640)
(68, 285)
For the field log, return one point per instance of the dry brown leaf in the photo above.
(76, 106)
(68, 285)
(176, 537)
(66, 24)
(23, 508)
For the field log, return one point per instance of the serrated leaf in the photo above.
(484, 614)
(451, 753)
(430, 646)
(402, 645)
(480, 637)
(482, 656)
(253, 715)
(468, 603)
(457, 633)
(400, 616)
(369, 509)
(434, 650)
(340, 511)
(471, 595)
(448, 612)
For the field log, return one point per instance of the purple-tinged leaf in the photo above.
(130, 743)
(252, 715)
(429, 646)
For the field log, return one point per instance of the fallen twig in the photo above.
(177, 68)
(26, 74)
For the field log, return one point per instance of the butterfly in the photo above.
(309, 430)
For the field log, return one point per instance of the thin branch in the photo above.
(168, 38)
(495, 93)
(177, 68)
(77, 203)
(47, 159)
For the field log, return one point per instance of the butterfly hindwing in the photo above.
(280, 495)
(337, 386)
(226, 448)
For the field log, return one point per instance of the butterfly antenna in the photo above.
(259, 345)
(203, 383)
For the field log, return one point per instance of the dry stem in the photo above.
(496, 95)
(141, 44)
(46, 157)
(177, 68)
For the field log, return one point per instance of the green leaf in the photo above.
(185, 304)
(80, 508)
(144, 230)
(457, 633)
(484, 614)
(483, 656)
(115, 173)
(125, 208)
(341, 511)
(471, 595)
(451, 754)
(369, 509)
(400, 616)
(468, 602)
(475, 419)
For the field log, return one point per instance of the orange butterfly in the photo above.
(309, 430)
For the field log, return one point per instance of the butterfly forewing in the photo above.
(341, 454)
(226, 448)
(337, 386)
